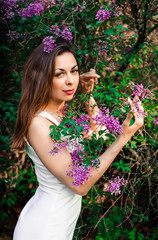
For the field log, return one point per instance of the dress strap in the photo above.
(49, 117)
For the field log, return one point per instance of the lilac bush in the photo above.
(82, 161)
(106, 42)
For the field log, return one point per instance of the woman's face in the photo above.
(65, 78)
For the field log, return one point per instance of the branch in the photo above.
(134, 9)
(152, 29)
(142, 34)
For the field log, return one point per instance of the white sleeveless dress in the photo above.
(52, 213)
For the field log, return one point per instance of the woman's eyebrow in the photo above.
(61, 69)
(74, 66)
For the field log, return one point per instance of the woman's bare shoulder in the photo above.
(39, 121)
(39, 128)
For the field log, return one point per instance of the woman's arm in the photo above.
(58, 164)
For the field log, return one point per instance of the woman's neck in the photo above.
(54, 108)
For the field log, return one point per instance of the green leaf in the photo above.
(115, 164)
(124, 82)
(133, 144)
(101, 132)
(57, 137)
(89, 26)
(71, 130)
(109, 136)
(52, 127)
(120, 73)
(132, 234)
(109, 31)
(121, 162)
(132, 121)
(127, 71)
(72, 122)
(119, 26)
(4, 47)
(98, 22)
(140, 236)
(79, 128)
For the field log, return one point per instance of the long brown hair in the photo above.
(36, 88)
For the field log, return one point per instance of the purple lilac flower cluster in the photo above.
(49, 44)
(7, 7)
(114, 185)
(35, 8)
(112, 10)
(54, 29)
(112, 66)
(57, 147)
(78, 171)
(80, 7)
(12, 7)
(139, 91)
(103, 48)
(136, 108)
(103, 118)
(83, 121)
(65, 33)
(103, 15)
(49, 41)
(13, 35)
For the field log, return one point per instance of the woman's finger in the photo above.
(91, 74)
(128, 119)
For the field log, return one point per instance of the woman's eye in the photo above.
(75, 70)
(58, 74)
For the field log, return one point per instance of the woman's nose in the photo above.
(69, 79)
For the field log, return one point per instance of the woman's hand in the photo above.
(127, 130)
(87, 81)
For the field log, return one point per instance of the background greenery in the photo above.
(132, 47)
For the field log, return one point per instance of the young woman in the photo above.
(49, 80)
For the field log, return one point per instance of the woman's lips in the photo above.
(69, 92)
